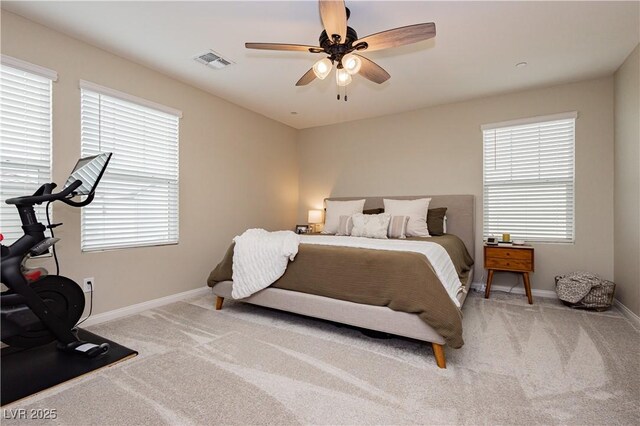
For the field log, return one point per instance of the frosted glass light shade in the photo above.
(342, 77)
(351, 63)
(322, 68)
(315, 216)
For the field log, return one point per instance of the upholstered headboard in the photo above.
(460, 212)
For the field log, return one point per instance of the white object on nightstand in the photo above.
(314, 217)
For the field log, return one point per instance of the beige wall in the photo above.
(439, 151)
(627, 182)
(237, 169)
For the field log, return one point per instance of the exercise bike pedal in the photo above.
(89, 350)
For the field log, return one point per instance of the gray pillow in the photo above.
(373, 211)
(435, 220)
(398, 227)
(345, 226)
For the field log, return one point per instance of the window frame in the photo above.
(573, 115)
(52, 76)
(137, 102)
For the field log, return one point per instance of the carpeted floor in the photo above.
(248, 365)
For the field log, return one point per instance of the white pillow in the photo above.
(370, 225)
(335, 209)
(417, 212)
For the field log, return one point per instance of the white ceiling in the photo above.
(473, 55)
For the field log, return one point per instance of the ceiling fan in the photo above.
(340, 42)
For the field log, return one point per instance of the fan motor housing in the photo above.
(338, 50)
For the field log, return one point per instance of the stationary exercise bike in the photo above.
(39, 308)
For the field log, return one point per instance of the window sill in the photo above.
(102, 250)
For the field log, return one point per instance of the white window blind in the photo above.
(136, 202)
(25, 142)
(529, 179)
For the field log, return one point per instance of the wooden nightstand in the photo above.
(509, 259)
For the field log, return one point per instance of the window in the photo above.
(136, 203)
(25, 137)
(529, 178)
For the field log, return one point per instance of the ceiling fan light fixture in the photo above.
(343, 78)
(339, 44)
(351, 63)
(322, 68)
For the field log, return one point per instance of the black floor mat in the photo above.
(29, 371)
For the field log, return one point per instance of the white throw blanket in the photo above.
(435, 253)
(260, 258)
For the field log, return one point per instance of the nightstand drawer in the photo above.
(507, 253)
(510, 264)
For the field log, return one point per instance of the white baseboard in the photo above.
(628, 313)
(548, 294)
(139, 307)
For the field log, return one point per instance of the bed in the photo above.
(307, 287)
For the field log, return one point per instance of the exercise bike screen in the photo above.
(88, 170)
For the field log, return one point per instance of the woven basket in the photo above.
(599, 298)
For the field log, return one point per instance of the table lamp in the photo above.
(314, 218)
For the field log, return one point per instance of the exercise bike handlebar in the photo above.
(44, 194)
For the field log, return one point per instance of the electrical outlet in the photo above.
(89, 284)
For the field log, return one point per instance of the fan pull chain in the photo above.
(345, 94)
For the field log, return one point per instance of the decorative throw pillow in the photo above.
(345, 226)
(370, 225)
(398, 227)
(435, 220)
(335, 209)
(415, 209)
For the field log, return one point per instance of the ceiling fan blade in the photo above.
(372, 71)
(399, 36)
(334, 18)
(307, 78)
(282, 46)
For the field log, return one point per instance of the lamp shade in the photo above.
(343, 78)
(351, 63)
(315, 216)
(322, 68)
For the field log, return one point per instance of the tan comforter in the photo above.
(402, 281)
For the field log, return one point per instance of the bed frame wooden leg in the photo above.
(438, 351)
(219, 301)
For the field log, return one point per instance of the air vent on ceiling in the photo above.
(213, 60)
